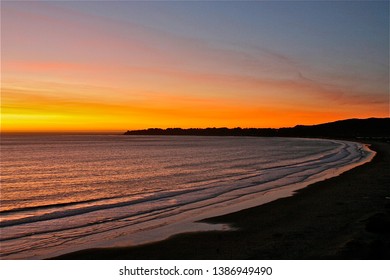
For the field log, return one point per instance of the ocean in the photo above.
(61, 193)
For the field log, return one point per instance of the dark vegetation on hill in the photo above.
(351, 128)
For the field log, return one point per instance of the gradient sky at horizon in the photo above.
(82, 65)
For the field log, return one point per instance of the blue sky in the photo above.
(137, 64)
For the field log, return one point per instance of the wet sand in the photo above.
(345, 217)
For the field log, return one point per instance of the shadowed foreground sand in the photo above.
(346, 217)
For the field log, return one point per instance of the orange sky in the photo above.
(68, 67)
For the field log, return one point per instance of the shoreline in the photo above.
(344, 217)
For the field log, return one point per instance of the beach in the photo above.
(345, 217)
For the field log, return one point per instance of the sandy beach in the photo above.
(345, 217)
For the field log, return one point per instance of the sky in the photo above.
(119, 65)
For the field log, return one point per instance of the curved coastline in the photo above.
(209, 245)
(227, 194)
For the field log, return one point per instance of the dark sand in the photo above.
(346, 217)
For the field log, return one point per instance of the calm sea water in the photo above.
(65, 192)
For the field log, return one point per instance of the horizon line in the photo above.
(115, 132)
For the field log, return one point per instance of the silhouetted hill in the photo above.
(351, 128)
